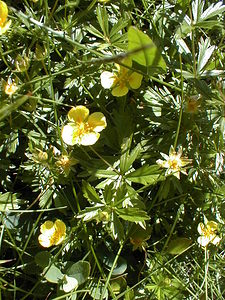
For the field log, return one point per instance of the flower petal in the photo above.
(135, 80)
(203, 241)
(78, 114)
(45, 241)
(70, 284)
(47, 227)
(216, 240)
(70, 134)
(3, 11)
(120, 91)
(5, 27)
(60, 226)
(201, 228)
(89, 138)
(107, 79)
(97, 121)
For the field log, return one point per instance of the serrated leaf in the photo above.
(205, 52)
(89, 193)
(80, 270)
(145, 175)
(150, 56)
(132, 214)
(213, 10)
(53, 274)
(127, 158)
(178, 246)
(89, 213)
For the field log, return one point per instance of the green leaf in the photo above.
(96, 290)
(127, 158)
(132, 214)
(146, 175)
(89, 193)
(121, 264)
(53, 274)
(42, 259)
(80, 270)
(150, 54)
(8, 109)
(178, 246)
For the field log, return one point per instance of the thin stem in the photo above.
(206, 273)
(181, 105)
(111, 271)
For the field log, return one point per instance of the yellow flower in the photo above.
(122, 80)
(10, 87)
(52, 233)
(174, 162)
(4, 26)
(83, 129)
(208, 233)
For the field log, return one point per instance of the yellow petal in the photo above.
(5, 27)
(89, 138)
(212, 225)
(70, 134)
(135, 80)
(107, 79)
(97, 121)
(203, 241)
(216, 240)
(127, 62)
(47, 226)
(44, 241)
(78, 114)
(201, 228)
(119, 91)
(60, 227)
(70, 283)
(3, 11)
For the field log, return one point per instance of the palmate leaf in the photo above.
(205, 52)
(150, 56)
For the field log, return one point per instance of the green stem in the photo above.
(181, 105)
(111, 271)
(206, 273)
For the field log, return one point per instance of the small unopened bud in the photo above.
(22, 63)
(40, 52)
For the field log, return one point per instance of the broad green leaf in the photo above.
(150, 55)
(80, 270)
(178, 246)
(116, 227)
(121, 264)
(89, 192)
(118, 285)
(145, 175)
(42, 259)
(132, 214)
(90, 213)
(53, 274)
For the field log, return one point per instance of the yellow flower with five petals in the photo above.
(174, 162)
(208, 233)
(83, 129)
(52, 234)
(4, 25)
(122, 80)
